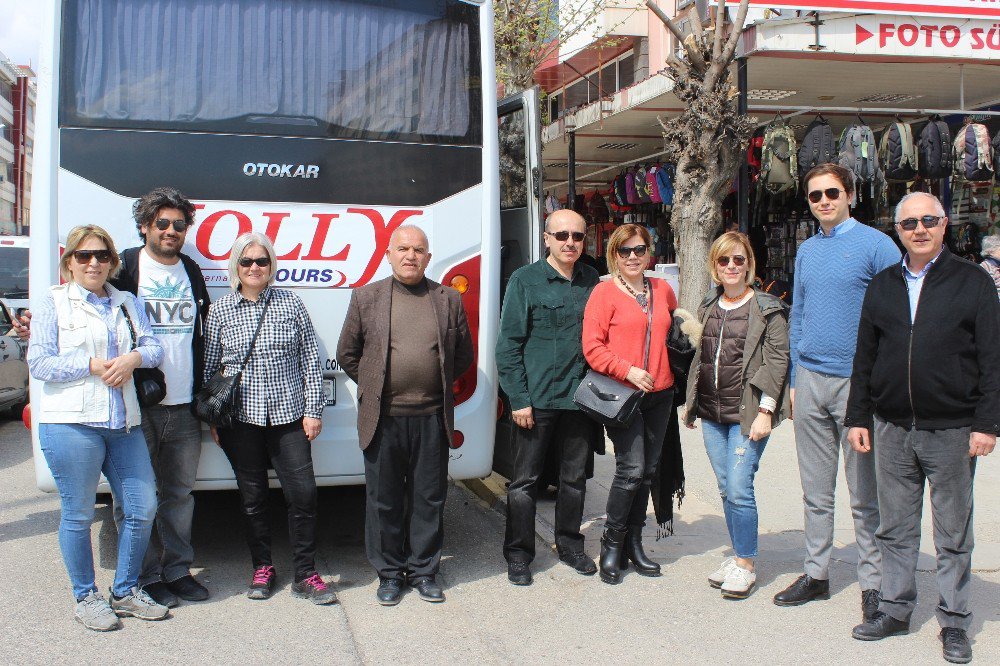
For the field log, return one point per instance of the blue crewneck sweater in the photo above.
(832, 273)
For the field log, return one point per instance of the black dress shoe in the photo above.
(957, 649)
(869, 604)
(429, 590)
(579, 561)
(161, 594)
(882, 626)
(389, 591)
(803, 590)
(518, 573)
(188, 589)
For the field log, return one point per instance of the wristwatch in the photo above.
(763, 410)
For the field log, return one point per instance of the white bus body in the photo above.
(328, 196)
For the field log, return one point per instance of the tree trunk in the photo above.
(695, 223)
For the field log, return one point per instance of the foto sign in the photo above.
(881, 34)
(982, 9)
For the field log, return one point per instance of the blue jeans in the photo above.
(77, 455)
(735, 459)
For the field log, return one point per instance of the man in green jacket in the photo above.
(540, 363)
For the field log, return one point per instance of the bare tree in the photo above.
(706, 141)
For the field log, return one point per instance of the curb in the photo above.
(492, 490)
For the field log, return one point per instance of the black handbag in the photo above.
(215, 403)
(607, 400)
(150, 384)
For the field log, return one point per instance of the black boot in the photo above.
(611, 555)
(633, 550)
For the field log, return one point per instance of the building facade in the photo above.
(17, 139)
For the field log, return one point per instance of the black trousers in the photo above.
(569, 430)
(406, 472)
(251, 450)
(637, 456)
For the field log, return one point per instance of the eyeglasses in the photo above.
(180, 226)
(639, 250)
(832, 193)
(564, 235)
(86, 256)
(929, 222)
(723, 261)
(247, 262)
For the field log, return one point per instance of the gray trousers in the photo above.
(905, 459)
(173, 436)
(820, 403)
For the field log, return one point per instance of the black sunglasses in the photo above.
(639, 250)
(180, 226)
(86, 256)
(564, 235)
(832, 193)
(723, 261)
(247, 262)
(929, 222)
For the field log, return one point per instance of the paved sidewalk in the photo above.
(700, 541)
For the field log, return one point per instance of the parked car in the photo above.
(13, 367)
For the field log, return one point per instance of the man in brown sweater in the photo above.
(404, 340)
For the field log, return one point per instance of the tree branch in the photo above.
(660, 14)
(720, 25)
(734, 38)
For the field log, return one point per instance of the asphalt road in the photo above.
(562, 618)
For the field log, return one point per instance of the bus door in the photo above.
(521, 222)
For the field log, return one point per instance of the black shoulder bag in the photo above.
(215, 403)
(607, 400)
(150, 384)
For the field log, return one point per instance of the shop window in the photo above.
(576, 94)
(609, 79)
(626, 71)
(555, 108)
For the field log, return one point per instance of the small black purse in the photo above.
(607, 400)
(215, 403)
(680, 350)
(150, 384)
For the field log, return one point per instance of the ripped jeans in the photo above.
(735, 459)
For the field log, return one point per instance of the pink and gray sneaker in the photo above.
(315, 590)
(262, 584)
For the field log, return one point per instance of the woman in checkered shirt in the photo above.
(279, 409)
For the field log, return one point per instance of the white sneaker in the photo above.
(739, 582)
(718, 577)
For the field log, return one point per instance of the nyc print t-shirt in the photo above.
(171, 310)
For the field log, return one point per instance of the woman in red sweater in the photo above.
(614, 340)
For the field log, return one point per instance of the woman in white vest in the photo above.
(83, 350)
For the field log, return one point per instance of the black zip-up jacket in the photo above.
(943, 371)
(128, 280)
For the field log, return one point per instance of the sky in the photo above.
(19, 29)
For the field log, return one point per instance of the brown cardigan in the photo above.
(765, 359)
(363, 349)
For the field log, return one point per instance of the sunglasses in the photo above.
(723, 261)
(639, 250)
(86, 256)
(180, 226)
(564, 235)
(929, 222)
(832, 193)
(247, 262)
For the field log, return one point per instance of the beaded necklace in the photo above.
(641, 299)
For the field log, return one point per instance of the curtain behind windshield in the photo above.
(389, 69)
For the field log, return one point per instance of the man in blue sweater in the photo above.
(832, 272)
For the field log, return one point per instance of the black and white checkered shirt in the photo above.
(283, 380)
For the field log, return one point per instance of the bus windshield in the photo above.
(392, 70)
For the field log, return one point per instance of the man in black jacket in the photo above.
(927, 368)
(176, 300)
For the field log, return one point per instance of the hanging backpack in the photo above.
(858, 155)
(778, 170)
(631, 195)
(995, 146)
(898, 152)
(934, 149)
(817, 147)
(665, 185)
(641, 185)
(973, 153)
(618, 190)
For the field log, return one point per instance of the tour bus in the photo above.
(324, 124)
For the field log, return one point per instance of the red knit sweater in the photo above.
(614, 332)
